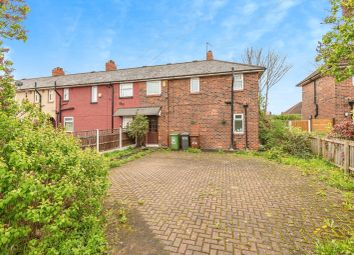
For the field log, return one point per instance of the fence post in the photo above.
(97, 140)
(346, 156)
(309, 128)
(290, 124)
(120, 137)
(319, 146)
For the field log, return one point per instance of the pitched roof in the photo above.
(186, 69)
(308, 78)
(295, 109)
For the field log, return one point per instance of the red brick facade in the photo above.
(332, 98)
(205, 113)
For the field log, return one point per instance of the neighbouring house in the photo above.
(295, 109)
(324, 98)
(192, 97)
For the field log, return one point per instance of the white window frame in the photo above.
(195, 89)
(238, 80)
(94, 94)
(69, 119)
(36, 97)
(126, 120)
(50, 95)
(353, 80)
(66, 95)
(124, 88)
(152, 93)
(243, 123)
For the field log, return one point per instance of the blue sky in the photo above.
(81, 36)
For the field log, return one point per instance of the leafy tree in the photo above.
(336, 50)
(51, 191)
(138, 128)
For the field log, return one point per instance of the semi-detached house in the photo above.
(192, 97)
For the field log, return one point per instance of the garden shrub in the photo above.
(138, 128)
(343, 130)
(275, 134)
(51, 191)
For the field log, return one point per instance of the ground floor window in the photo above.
(126, 120)
(69, 124)
(239, 123)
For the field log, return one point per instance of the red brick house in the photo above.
(192, 97)
(324, 98)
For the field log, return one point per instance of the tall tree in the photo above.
(276, 67)
(336, 50)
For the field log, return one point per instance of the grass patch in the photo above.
(193, 150)
(118, 158)
(337, 247)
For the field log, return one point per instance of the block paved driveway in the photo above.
(212, 203)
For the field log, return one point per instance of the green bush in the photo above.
(275, 134)
(51, 191)
(138, 128)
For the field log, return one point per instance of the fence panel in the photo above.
(339, 152)
(321, 125)
(302, 124)
(108, 139)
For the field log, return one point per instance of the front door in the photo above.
(152, 135)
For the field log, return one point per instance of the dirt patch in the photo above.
(128, 233)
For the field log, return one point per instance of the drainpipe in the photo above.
(39, 94)
(60, 102)
(315, 98)
(112, 88)
(232, 112)
(245, 107)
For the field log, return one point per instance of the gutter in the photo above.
(39, 94)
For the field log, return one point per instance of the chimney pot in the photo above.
(111, 66)
(209, 55)
(58, 71)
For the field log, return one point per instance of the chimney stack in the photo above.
(111, 66)
(209, 55)
(58, 71)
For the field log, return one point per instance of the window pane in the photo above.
(238, 126)
(126, 121)
(153, 88)
(195, 85)
(238, 82)
(69, 124)
(126, 90)
(66, 94)
(94, 94)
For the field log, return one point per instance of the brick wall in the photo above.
(332, 98)
(205, 113)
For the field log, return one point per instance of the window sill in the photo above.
(238, 90)
(237, 133)
(126, 97)
(94, 102)
(157, 95)
(195, 93)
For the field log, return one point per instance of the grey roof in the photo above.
(308, 78)
(141, 110)
(204, 67)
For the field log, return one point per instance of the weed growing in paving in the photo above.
(118, 158)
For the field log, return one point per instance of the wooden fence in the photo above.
(339, 152)
(104, 140)
(312, 125)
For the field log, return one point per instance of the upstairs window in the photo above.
(66, 95)
(238, 82)
(194, 85)
(238, 124)
(126, 90)
(36, 97)
(94, 94)
(69, 124)
(50, 96)
(153, 88)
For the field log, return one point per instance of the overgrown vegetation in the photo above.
(291, 147)
(51, 191)
(276, 136)
(118, 158)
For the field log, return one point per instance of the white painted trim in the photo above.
(243, 124)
